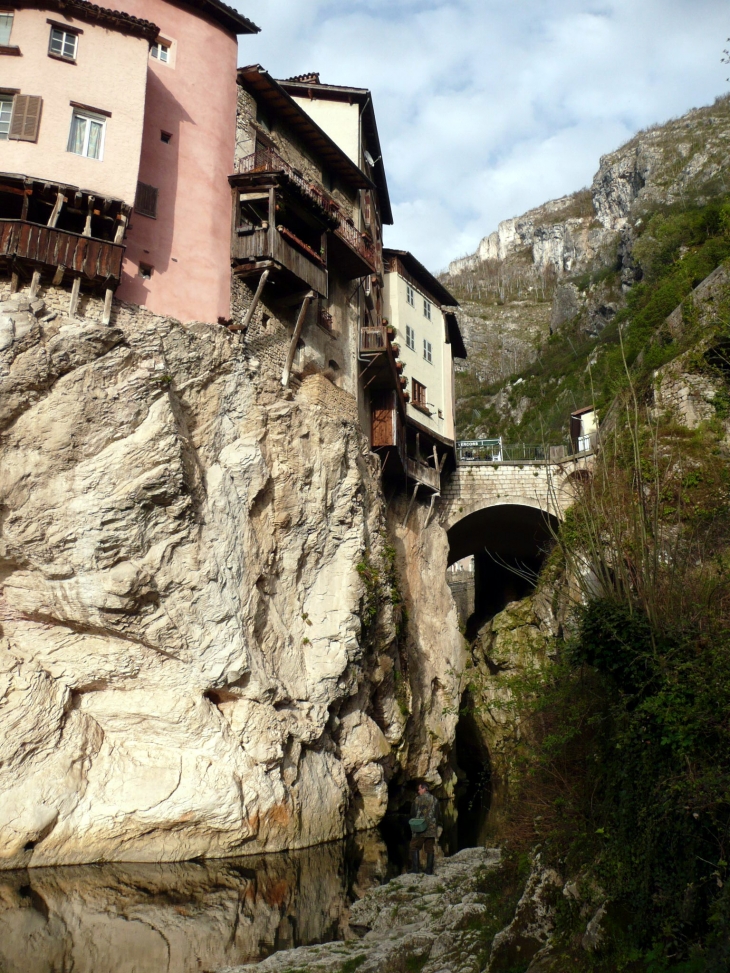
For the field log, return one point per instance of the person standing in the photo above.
(425, 810)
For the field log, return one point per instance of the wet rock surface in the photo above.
(430, 923)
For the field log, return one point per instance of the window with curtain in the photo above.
(161, 52)
(87, 135)
(427, 351)
(410, 338)
(6, 28)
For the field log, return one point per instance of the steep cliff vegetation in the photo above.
(621, 766)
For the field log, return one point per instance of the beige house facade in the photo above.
(62, 119)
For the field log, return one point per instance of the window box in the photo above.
(9, 51)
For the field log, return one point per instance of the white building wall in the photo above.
(436, 375)
(339, 120)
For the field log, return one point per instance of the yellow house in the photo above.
(423, 314)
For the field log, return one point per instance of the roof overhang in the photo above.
(92, 13)
(423, 277)
(458, 348)
(361, 96)
(272, 97)
(226, 16)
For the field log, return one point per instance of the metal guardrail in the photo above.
(496, 451)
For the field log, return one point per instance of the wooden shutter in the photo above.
(26, 119)
(146, 201)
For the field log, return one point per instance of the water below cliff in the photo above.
(181, 917)
(189, 917)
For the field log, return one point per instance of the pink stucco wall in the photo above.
(194, 99)
(110, 74)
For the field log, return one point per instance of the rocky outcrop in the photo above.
(184, 668)
(430, 923)
(664, 164)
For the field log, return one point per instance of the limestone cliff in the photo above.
(184, 668)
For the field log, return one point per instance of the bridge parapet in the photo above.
(476, 485)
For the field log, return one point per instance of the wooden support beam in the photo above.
(89, 213)
(254, 304)
(410, 503)
(75, 291)
(443, 462)
(435, 457)
(58, 276)
(121, 229)
(107, 316)
(430, 510)
(56, 211)
(295, 339)
(14, 282)
(35, 284)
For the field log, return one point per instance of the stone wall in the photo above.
(474, 486)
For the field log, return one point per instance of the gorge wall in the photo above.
(199, 648)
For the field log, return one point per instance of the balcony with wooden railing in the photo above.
(358, 255)
(47, 247)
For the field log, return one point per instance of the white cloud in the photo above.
(486, 107)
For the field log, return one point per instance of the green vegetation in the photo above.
(676, 248)
(625, 761)
(350, 965)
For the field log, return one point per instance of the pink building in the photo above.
(178, 244)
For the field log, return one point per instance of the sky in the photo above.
(486, 108)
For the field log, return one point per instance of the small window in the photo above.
(410, 338)
(145, 202)
(410, 295)
(87, 135)
(6, 27)
(145, 271)
(63, 43)
(160, 52)
(427, 351)
(418, 393)
(426, 309)
(166, 137)
(6, 113)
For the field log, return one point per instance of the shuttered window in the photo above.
(146, 202)
(26, 118)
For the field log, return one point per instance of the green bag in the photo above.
(418, 825)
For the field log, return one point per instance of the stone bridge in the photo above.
(512, 506)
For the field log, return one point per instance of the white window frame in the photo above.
(66, 36)
(410, 296)
(410, 338)
(8, 16)
(88, 117)
(158, 48)
(427, 351)
(6, 99)
(426, 308)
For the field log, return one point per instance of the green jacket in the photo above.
(426, 806)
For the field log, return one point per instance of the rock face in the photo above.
(183, 667)
(665, 163)
(415, 922)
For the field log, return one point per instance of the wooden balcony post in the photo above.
(75, 291)
(35, 284)
(254, 303)
(107, 316)
(295, 339)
